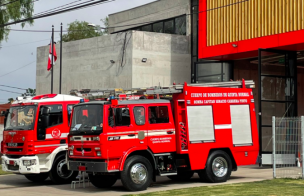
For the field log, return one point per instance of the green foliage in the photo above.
(14, 12)
(80, 30)
(10, 100)
(105, 22)
(29, 92)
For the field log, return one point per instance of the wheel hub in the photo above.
(219, 167)
(138, 173)
(62, 170)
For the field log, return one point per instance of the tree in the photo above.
(80, 30)
(10, 100)
(29, 92)
(12, 10)
(105, 22)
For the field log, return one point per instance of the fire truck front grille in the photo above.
(85, 149)
(14, 149)
(18, 144)
(13, 167)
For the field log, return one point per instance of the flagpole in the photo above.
(52, 59)
(60, 59)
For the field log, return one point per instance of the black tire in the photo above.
(182, 176)
(103, 181)
(220, 158)
(65, 176)
(141, 167)
(37, 177)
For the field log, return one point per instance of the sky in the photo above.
(20, 51)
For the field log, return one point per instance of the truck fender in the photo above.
(51, 157)
(140, 151)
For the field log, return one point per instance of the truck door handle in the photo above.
(131, 135)
(169, 132)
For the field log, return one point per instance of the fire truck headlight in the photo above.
(99, 153)
(71, 153)
(95, 138)
(29, 162)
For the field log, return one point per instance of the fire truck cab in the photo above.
(210, 129)
(35, 137)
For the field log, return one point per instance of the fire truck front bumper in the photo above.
(88, 166)
(22, 165)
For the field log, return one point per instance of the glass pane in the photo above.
(227, 76)
(147, 28)
(277, 88)
(209, 69)
(158, 27)
(266, 139)
(139, 115)
(169, 27)
(209, 79)
(270, 109)
(180, 25)
(273, 64)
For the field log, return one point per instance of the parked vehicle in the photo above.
(210, 129)
(35, 137)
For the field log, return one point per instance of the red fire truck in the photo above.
(35, 137)
(210, 129)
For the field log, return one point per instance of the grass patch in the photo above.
(267, 187)
(2, 172)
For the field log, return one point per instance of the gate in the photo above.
(288, 147)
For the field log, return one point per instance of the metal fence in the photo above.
(288, 147)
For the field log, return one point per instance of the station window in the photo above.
(158, 114)
(170, 26)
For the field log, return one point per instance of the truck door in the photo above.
(49, 137)
(161, 134)
(121, 133)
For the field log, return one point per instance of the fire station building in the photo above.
(195, 41)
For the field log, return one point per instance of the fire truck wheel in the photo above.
(218, 168)
(182, 176)
(37, 177)
(103, 181)
(137, 173)
(59, 173)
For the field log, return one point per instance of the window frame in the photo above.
(159, 123)
(135, 116)
(139, 28)
(50, 114)
(69, 117)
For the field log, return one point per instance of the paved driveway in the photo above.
(18, 185)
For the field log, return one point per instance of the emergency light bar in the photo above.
(44, 96)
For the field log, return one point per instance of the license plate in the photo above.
(12, 144)
(82, 168)
(12, 162)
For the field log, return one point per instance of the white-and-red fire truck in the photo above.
(35, 137)
(210, 129)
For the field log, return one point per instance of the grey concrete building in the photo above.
(118, 60)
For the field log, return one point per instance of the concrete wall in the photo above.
(86, 63)
(168, 57)
(154, 11)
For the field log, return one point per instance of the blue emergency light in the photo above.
(81, 100)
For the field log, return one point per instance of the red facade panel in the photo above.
(247, 48)
(3, 107)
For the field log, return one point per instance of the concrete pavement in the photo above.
(16, 185)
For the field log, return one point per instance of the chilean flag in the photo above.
(49, 67)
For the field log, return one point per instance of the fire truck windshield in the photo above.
(87, 118)
(21, 118)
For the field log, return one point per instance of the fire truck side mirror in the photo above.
(45, 116)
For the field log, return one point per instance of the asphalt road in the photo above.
(16, 185)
